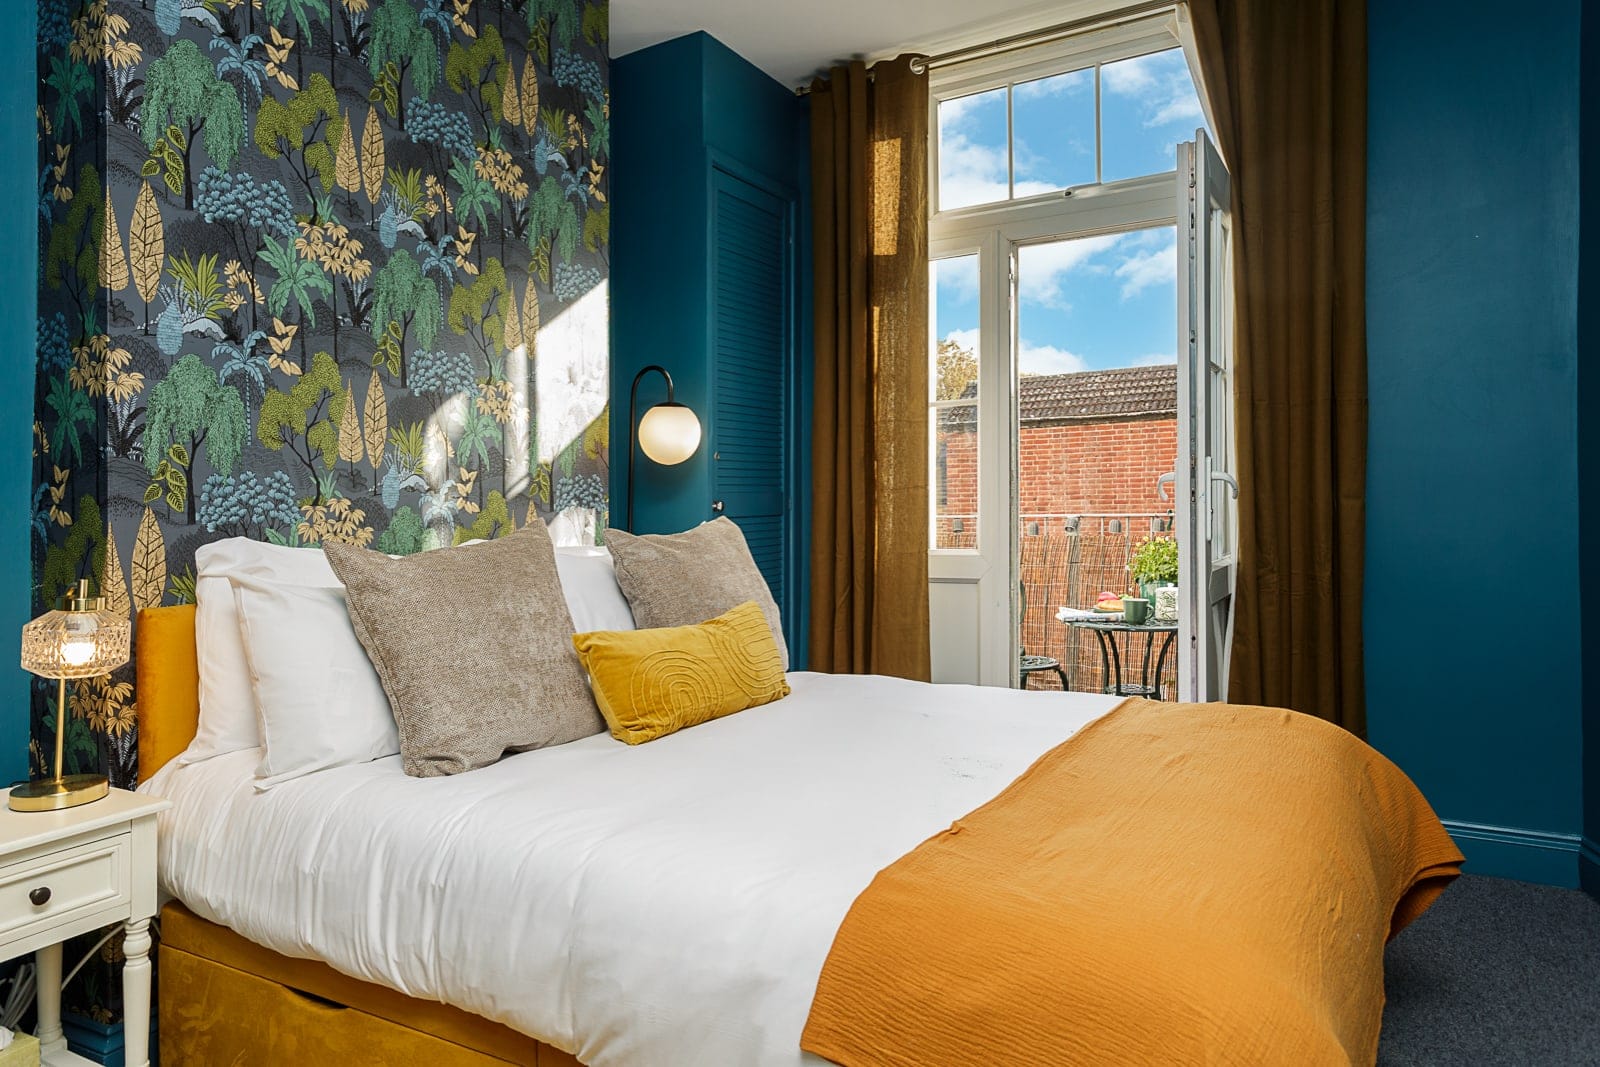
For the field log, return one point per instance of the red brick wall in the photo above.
(1098, 467)
(1072, 469)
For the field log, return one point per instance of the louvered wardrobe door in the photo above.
(752, 349)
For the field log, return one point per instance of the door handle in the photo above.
(1227, 479)
(1163, 481)
(716, 506)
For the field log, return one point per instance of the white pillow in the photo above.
(589, 584)
(319, 699)
(227, 706)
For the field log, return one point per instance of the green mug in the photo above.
(1135, 610)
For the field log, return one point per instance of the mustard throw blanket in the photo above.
(1175, 884)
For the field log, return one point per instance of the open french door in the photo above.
(1207, 512)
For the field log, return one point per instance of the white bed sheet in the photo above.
(669, 904)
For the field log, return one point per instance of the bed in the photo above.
(677, 902)
(520, 901)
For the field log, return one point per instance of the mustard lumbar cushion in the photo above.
(650, 683)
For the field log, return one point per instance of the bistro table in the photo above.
(1105, 628)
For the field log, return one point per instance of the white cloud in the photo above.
(1185, 107)
(1033, 359)
(967, 340)
(1130, 77)
(1145, 269)
(1159, 84)
(1072, 83)
(970, 173)
(956, 278)
(1048, 359)
(1045, 267)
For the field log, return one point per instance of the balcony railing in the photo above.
(1067, 560)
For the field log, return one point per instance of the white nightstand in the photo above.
(64, 873)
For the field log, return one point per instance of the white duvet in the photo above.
(669, 904)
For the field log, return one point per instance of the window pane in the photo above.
(1095, 303)
(955, 477)
(1053, 120)
(955, 377)
(1147, 105)
(955, 328)
(973, 164)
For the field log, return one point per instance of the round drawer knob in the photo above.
(40, 896)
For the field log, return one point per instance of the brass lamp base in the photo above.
(54, 794)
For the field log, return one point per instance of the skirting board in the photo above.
(1589, 867)
(1525, 855)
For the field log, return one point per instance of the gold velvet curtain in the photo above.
(869, 528)
(1287, 85)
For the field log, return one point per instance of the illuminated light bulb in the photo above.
(669, 433)
(78, 652)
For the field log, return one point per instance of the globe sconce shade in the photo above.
(669, 433)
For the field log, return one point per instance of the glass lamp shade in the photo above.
(83, 643)
(669, 433)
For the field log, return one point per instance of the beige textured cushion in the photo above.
(474, 649)
(688, 578)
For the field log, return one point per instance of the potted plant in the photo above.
(1154, 565)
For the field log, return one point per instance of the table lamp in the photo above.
(80, 639)
(669, 433)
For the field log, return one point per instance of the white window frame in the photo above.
(974, 634)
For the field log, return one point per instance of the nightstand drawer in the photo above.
(52, 887)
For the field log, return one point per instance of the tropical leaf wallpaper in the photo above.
(310, 271)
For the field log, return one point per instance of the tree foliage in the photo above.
(190, 408)
(479, 71)
(478, 310)
(407, 301)
(113, 258)
(299, 279)
(230, 197)
(81, 554)
(404, 534)
(182, 88)
(957, 369)
(74, 249)
(247, 504)
(377, 420)
(149, 563)
(398, 36)
(305, 130)
(372, 157)
(305, 419)
(146, 244)
(346, 162)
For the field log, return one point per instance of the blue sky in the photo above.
(1096, 302)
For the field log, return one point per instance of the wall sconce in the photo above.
(669, 433)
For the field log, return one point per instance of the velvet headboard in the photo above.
(167, 672)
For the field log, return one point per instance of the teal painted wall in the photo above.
(1472, 508)
(1589, 433)
(19, 192)
(658, 281)
(675, 107)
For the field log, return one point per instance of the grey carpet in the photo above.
(1496, 972)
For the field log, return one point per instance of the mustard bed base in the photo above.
(226, 1000)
